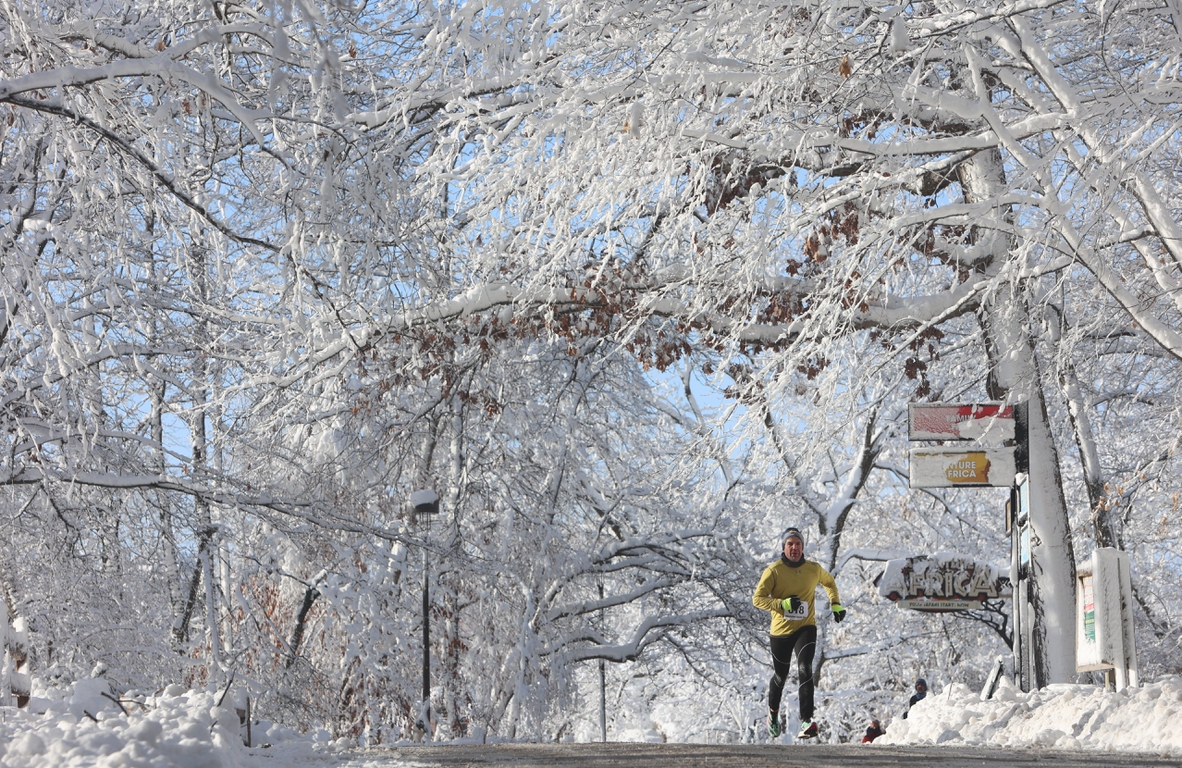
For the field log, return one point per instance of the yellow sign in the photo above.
(945, 467)
(969, 468)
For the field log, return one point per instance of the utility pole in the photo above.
(426, 504)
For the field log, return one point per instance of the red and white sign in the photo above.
(991, 423)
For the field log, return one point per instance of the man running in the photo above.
(787, 589)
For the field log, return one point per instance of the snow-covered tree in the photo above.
(268, 269)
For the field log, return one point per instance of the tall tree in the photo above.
(468, 246)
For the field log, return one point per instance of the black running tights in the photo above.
(802, 643)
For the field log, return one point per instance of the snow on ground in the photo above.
(176, 728)
(1067, 717)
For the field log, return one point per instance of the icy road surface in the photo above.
(614, 755)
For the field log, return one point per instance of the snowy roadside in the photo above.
(187, 729)
(1065, 717)
(175, 728)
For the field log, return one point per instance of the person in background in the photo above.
(921, 690)
(873, 731)
(787, 590)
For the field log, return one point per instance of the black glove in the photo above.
(789, 604)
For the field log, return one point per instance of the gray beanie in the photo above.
(794, 532)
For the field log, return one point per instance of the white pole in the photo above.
(5, 658)
(1126, 617)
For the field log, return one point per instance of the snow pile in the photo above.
(653, 735)
(1069, 717)
(81, 727)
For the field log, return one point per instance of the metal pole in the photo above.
(426, 503)
(1015, 604)
(602, 682)
(1019, 568)
(426, 644)
(602, 702)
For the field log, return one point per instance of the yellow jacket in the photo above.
(780, 580)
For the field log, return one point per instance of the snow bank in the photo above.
(174, 729)
(186, 729)
(1068, 717)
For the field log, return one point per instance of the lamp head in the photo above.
(426, 502)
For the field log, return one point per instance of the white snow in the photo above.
(177, 728)
(1065, 717)
(174, 728)
(424, 497)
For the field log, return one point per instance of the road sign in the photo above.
(940, 605)
(1104, 616)
(942, 582)
(990, 423)
(944, 467)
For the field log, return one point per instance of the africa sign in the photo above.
(955, 467)
(942, 582)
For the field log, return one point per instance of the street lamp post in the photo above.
(602, 679)
(426, 504)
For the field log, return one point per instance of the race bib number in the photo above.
(801, 612)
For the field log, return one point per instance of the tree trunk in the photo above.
(180, 631)
(1104, 529)
(1014, 376)
(200, 440)
(297, 633)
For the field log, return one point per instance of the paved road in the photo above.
(616, 755)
